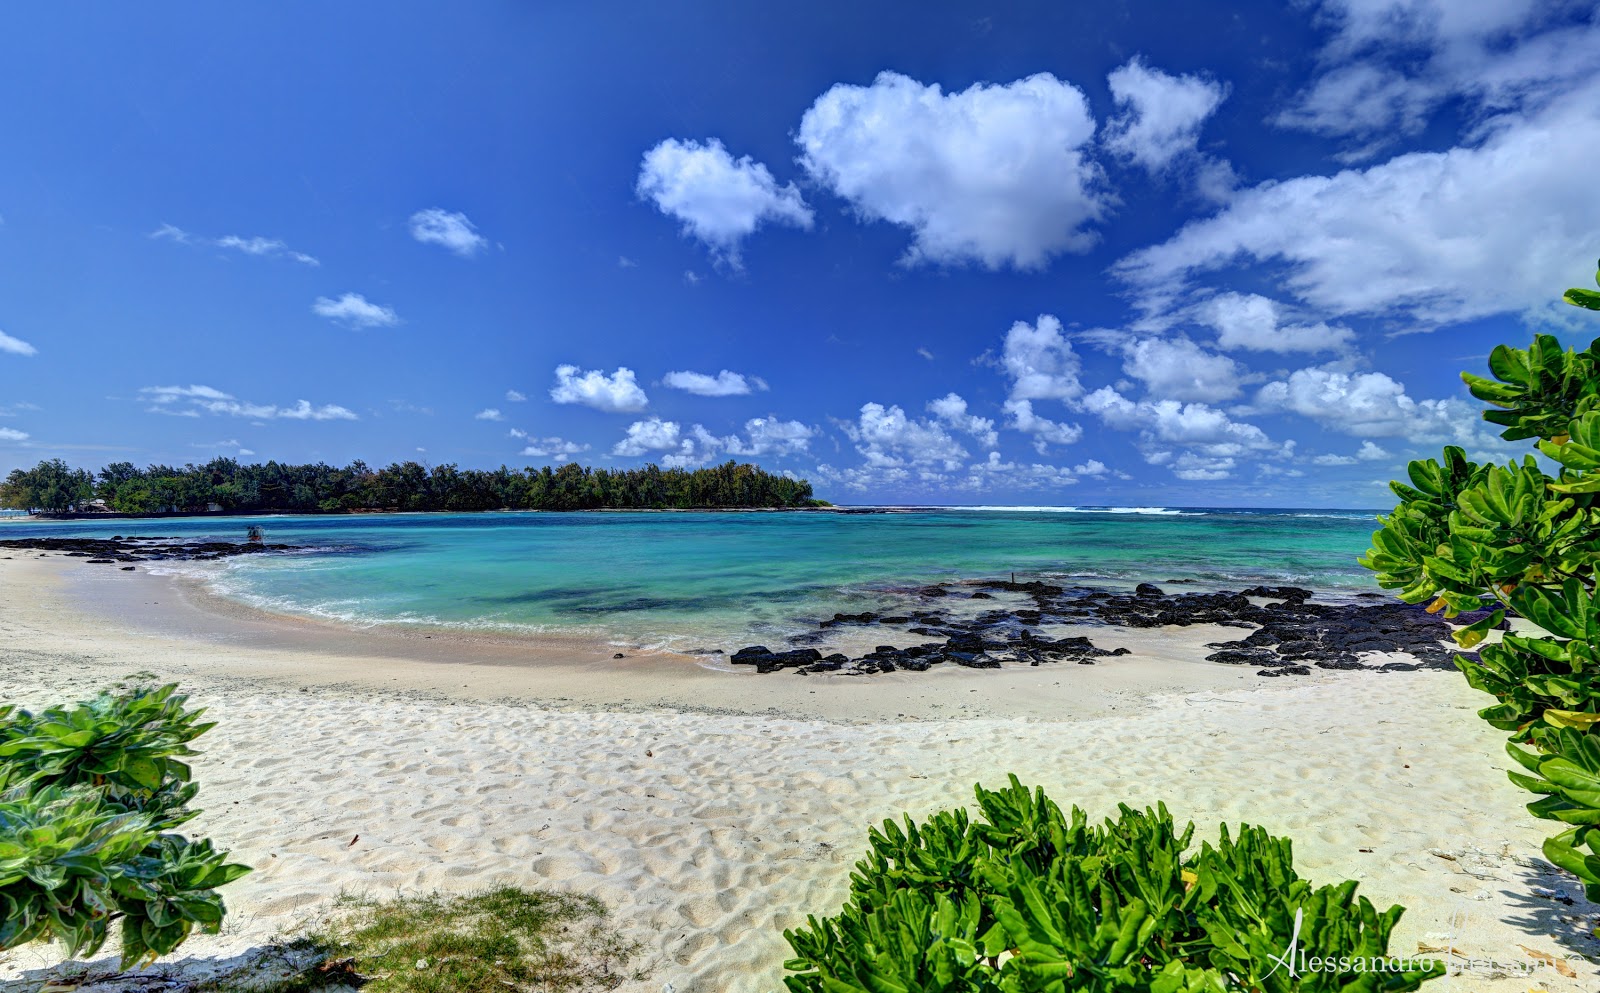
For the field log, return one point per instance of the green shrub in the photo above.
(1467, 537)
(89, 798)
(1032, 899)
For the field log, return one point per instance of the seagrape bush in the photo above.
(90, 797)
(1518, 543)
(1030, 899)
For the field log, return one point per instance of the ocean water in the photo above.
(682, 580)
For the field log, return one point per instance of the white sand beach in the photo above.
(712, 809)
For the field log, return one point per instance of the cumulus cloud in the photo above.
(253, 245)
(1161, 114)
(12, 434)
(449, 230)
(993, 174)
(1367, 404)
(513, 396)
(1428, 238)
(1045, 431)
(1018, 475)
(16, 346)
(695, 445)
(559, 449)
(1040, 361)
(886, 437)
(652, 435)
(618, 392)
(354, 310)
(1211, 440)
(771, 436)
(1178, 369)
(723, 384)
(193, 401)
(951, 409)
(720, 200)
(1255, 323)
(489, 414)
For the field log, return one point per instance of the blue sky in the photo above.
(1148, 254)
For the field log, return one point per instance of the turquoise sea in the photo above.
(685, 579)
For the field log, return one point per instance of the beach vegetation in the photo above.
(91, 796)
(1031, 898)
(227, 485)
(501, 939)
(52, 486)
(1487, 543)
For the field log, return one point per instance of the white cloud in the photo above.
(1045, 431)
(1041, 365)
(886, 437)
(1040, 361)
(1178, 369)
(995, 471)
(723, 384)
(559, 449)
(513, 396)
(1331, 459)
(230, 443)
(719, 199)
(623, 262)
(952, 410)
(16, 346)
(253, 245)
(192, 401)
(516, 433)
(1429, 238)
(925, 354)
(1371, 453)
(448, 229)
(770, 436)
(1390, 64)
(488, 414)
(861, 478)
(245, 452)
(652, 435)
(1196, 468)
(1213, 439)
(1253, 322)
(12, 434)
(994, 174)
(354, 310)
(618, 392)
(696, 445)
(1368, 405)
(1161, 114)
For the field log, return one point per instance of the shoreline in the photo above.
(711, 809)
(161, 611)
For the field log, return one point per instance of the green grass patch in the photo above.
(497, 941)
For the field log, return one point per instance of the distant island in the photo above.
(224, 486)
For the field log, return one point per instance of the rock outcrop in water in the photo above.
(135, 549)
(1289, 633)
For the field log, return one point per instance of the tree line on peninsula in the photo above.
(224, 485)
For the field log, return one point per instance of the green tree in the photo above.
(1511, 541)
(51, 486)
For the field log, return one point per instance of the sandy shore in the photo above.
(713, 809)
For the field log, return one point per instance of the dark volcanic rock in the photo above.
(131, 549)
(1290, 633)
